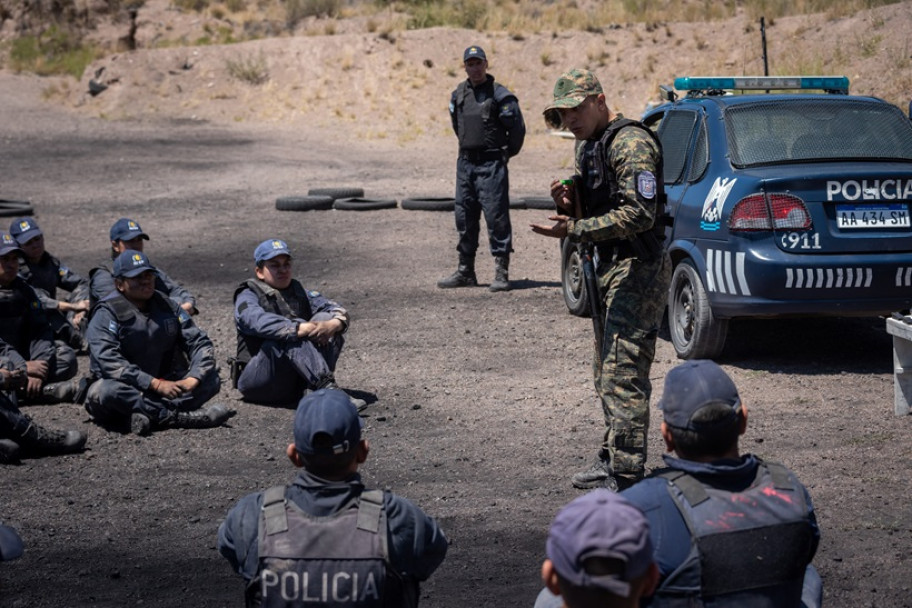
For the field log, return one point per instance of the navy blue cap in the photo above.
(270, 249)
(126, 229)
(8, 244)
(693, 385)
(24, 230)
(475, 52)
(10, 544)
(327, 411)
(600, 524)
(131, 263)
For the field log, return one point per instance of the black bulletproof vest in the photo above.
(600, 187)
(339, 561)
(44, 275)
(748, 549)
(152, 341)
(478, 126)
(15, 303)
(271, 300)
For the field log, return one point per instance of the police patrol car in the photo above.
(783, 204)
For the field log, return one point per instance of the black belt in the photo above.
(476, 156)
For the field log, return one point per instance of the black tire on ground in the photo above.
(518, 203)
(429, 204)
(539, 202)
(573, 283)
(337, 193)
(695, 332)
(364, 204)
(303, 203)
(9, 208)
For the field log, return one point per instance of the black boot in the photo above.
(501, 280)
(9, 451)
(212, 416)
(39, 441)
(464, 275)
(67, 391)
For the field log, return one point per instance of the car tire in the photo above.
(337, 193)
(539, 202)
(695, 332)
(429, 204)
(573, 282)
(9, 208)
(304, 203)
(364, 204)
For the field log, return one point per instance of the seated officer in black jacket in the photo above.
(152, 366)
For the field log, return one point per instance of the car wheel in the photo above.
(303, 203)
(364, 204)
(573, 283)
(337, 193)
(10, 208)
(695, 332)
(429, 204)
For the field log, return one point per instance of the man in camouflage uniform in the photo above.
(490, 128)
(615, 203)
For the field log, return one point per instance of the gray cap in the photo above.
(693, 385)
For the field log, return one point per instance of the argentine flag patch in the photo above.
(112, 326)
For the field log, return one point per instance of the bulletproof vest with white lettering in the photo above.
(478, 127)
(291, 303)
(749, 549)
(338, 561)
(16, 303)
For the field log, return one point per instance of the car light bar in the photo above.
(706, 83)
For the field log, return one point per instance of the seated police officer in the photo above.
(50, 366)
(289, 339)
(599, 555)
(325, 536)
(728, 530)
(46, 274)
(151, 366)
(127, 235)
(19, 434)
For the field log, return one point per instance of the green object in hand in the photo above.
(567, 182)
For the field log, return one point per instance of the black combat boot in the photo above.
(39, 441)
(212, 416)
(360, 404)
(599, 475)
(67, 391)
(464, 275)
(501, 280)
(9, 451)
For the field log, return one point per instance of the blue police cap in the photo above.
(331, 412)
(269, 249)
(131, 263)
(126, 229)
(24, 230)
(474, 52)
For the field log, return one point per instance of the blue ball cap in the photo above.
(131, 263)
(600, 524)
(24, 230)
(329, 412)
(8, 244)
(270, 249)
(126, 229)
(475, 52)
(693, 385)
(10, 544)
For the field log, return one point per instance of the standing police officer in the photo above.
(490, 128)
(326, 536)
(152, 366)
(616, 203)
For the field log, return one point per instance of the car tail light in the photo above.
(769, 212)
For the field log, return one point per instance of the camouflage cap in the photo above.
(570, 90)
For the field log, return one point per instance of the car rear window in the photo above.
(783, 131)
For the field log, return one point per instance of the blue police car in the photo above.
(783, 204)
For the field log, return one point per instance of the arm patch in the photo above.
(646, 184)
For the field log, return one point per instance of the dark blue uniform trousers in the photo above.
(113, 401)
(483, 187)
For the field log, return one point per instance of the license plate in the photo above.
(872, 216)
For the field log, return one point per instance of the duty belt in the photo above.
(476, 156)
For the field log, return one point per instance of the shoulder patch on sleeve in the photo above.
(183, 316)
(646, 184)
(313, 294)
(112, 326)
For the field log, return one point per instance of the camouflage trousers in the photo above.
(635, 293)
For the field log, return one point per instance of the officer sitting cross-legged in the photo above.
(152, 366)
(289, 338)
(325, 539)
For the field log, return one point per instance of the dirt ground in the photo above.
(482, 404)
